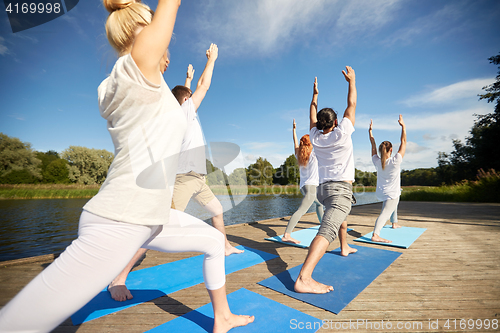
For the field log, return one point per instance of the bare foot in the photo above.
(377, 238)
(311, 286)
(231, 249)
(119, 292)
(395, 226)
(347, 251)
(287, 238)
(222, 325)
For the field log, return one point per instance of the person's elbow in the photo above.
(203, 87)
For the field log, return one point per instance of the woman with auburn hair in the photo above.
(388, 180)
(309, 181)
(132, 208)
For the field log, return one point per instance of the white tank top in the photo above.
(309, 173)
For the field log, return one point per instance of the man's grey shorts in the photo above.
(337, 198)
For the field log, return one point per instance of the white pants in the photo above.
(389, 210)
(101, 251)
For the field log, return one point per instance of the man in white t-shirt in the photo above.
(191, 173)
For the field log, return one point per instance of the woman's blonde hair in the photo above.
(124, 19)
(384, 149)
(305, 149)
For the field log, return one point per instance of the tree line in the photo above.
(20, 164)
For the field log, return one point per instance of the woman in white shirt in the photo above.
(388, 180)
(132, 208)
(309, 181)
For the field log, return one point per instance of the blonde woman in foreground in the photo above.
(388, 180)
(132, 208)
(309, 181)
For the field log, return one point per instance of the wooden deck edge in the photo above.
(42, 258)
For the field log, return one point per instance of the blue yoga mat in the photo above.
(270, 316)
(153, 282)
(305, 236)
(401, 237)
(348, 275)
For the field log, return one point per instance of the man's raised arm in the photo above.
(189, 76)
(206, 77)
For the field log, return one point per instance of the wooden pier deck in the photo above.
(452, 271)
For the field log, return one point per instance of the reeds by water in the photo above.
(48, 191)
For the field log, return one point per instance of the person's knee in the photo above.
(328, 233)
(217, 243)
(214, 207)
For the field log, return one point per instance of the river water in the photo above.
(44, 226)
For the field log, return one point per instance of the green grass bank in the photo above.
(485, 189)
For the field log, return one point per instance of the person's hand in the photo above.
(371, 125)
(190, 72)
(350, 76)
(212, 52)
(400, 121)
(294, 125)
(315, 88)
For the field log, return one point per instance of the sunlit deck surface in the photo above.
(452, 271)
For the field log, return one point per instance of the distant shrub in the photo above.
(57, 172)
(22, 176)
(485, 189)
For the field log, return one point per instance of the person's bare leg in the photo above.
(215, 209)
(224, 320)
(117, 287)
(218, 223)
(305, 283)
(288, 238)
(345, 249)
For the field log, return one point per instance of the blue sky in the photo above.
(424, 59)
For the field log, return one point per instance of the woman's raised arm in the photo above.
(152, 41)
(372, 139)
(402, 147)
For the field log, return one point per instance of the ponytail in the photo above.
(384, 149)
(305, 149)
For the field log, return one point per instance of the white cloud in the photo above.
(274, 152)
(413, 148)
(265, 28)
(449, 94)
(438, 24)
(428, 134)
(17, 116)
(75, 24)
(3, 49)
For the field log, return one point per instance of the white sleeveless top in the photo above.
(146, 124)
(389, 179)
(309, 173)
